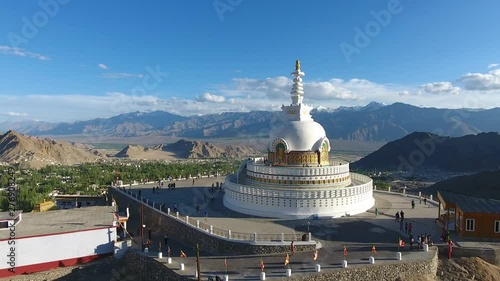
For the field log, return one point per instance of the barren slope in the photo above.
(33, 152)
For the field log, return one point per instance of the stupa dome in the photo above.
(298, 135)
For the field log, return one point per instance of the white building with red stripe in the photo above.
(32, 242)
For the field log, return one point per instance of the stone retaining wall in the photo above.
(489, 255)
(386, 272)
(148, 269)
(180, 231)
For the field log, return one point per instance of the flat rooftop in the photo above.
(471, 204)
(52, 222)
(6, 215)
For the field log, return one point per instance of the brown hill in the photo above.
(139, 152)
(32, 152)
(422, 150)
(197, 149)
(186, 149)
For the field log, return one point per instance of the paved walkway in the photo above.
(358, 233)
(188, 195)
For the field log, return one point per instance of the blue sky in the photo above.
(66, 60)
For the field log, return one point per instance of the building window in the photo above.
(497, 226)
(469, 224)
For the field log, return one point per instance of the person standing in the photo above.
(410, 226)
(406, 227)
(149, 234)
(292, 248)
(402, 215)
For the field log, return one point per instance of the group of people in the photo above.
(156, 189)
(421, 240)
(400, 216)
(407, 227)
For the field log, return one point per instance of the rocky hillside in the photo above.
(197, 149)
(484, 184)
(186, 149)
(139, 152)
(33, 152)
(420, 150)
(473, 268)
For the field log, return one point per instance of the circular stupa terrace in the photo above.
(297, 192)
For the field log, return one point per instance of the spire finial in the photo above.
(297, 65)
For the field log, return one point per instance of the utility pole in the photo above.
(142, 224)
(198, 262)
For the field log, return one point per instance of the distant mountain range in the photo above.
(419, 150)
(374, 122)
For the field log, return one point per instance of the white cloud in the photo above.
(14, 51)
(482, 81)
(207, 97)
(278, 88)
(493, 65)
(102, 66)
(246, 94)
(14, 114)
(17, 113)
(440, 88)
(119, 75)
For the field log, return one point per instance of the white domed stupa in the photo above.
(297, 179)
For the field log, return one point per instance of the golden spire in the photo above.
(297, 65)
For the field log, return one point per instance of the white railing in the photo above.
(220, 233)
(301, 178)
(298, 171)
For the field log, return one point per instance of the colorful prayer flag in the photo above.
(225, 262)
(261, 264)
(401, 242)
(168, 249)
(183, 255)
(315, 255)
(374, 250)
(345, 251)
(287, 260)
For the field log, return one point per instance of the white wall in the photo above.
(43, 249)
